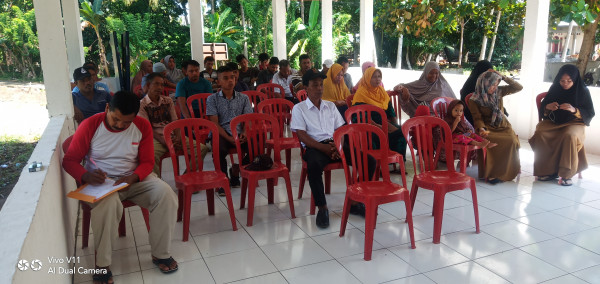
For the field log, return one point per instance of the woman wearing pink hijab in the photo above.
(365, 66)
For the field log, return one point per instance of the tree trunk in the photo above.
(484, 41)
(245, 32)
(408, 59)
(428, 57)
(302, 10)
(103, 63)
(212, 6)
(587, 45)
(563, 58)
(460, 48)
(399, 53)
(185, 14)
(489, 58)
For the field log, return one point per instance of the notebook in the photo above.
(93, 193)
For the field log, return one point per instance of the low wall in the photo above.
(37, 222)
(520, 106)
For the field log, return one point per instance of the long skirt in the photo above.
(502, 162)
(558, 149)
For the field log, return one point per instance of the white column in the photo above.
(366, 31)
(326, 30)
(53, 55)
(72, 24)
(196, 15)
(279, 37)
(523, 111)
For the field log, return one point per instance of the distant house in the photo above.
(558, 37)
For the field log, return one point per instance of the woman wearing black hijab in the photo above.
(558, 139)
(469, 86)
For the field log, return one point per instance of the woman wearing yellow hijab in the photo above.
(334, 88)
(371, 92)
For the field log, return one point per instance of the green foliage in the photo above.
(220, 27)
(342, 41)
(305, 38)
(571, 10)
(14, 153)
(19, 48)
(141, 41)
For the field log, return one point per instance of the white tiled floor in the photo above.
(531, 232)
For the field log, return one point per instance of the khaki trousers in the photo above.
(160, 150)
(151, 193)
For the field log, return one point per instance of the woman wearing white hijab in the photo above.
(430, 85)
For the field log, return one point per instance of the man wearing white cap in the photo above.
(326, 65)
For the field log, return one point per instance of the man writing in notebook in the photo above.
(119, 145)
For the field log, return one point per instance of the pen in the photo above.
(95, 165)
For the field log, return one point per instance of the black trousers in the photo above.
(316, 161)
(224, 147)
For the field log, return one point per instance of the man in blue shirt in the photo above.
(87, 100)
(190, 85)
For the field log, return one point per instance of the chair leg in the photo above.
(409, 219)
(438, 217)
(345, 213)
(180, 207)
(302, 180)
(312, 205)
(475, 205)
(413, 194)
(463, 160)
(371, 215)
(251, 195)
(270, 190)
(230, 206)
(210, 201)
(288, 185)
(288, 158)
(146, 215)
(122, 229)
(327, 182)
(85, 227)
(187, 200)
(243, 193)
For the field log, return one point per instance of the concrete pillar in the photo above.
(279, 37)
(524, 112)
(53, 55)
(367, 46)
(196, 15)
(72, 24)
(326, 30)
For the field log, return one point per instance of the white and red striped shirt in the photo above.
(118, 153)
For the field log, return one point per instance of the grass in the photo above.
(14, 154)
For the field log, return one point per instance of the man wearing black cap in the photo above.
(314, 121)
(87, 100)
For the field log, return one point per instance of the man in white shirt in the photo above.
(284, 78)
(314, 121)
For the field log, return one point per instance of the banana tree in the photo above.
(308, 36)
(94, 17)
(220, 28)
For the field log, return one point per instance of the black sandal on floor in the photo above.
(103, 278)
(548, 177)
(494, 181)
(166, 262)
(565, 182)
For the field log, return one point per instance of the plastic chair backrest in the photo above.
(357, 136)
(349, 100)
(197, 129)
(301, 95)
(201, 98)
(538, 101)
(280, 109)
(467, 98)
(395, 99)
(255, 98)
(422, 128)
(440, 106)
(364, 114)
(258, 127)
(269, 90)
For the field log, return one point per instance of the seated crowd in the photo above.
(121, 136)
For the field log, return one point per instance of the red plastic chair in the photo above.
(538, 102)
(440, 109)
(201, 98)
(282, 110)
(269, 90)
(255, 98)
(137, 90)
(363, 114)
(195, 178)
(87, 211)
(301, 95)
(327, 172)
(292, 90)
(371, 193)
(395, 99)
(167, 91)
(349, 100)
(258, 128)
(440, 182)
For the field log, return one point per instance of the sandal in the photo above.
(494, 181)
(548, 177)
(103, 278)
(565, 182)
(167, 262)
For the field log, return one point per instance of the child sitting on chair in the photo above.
(462, 133)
